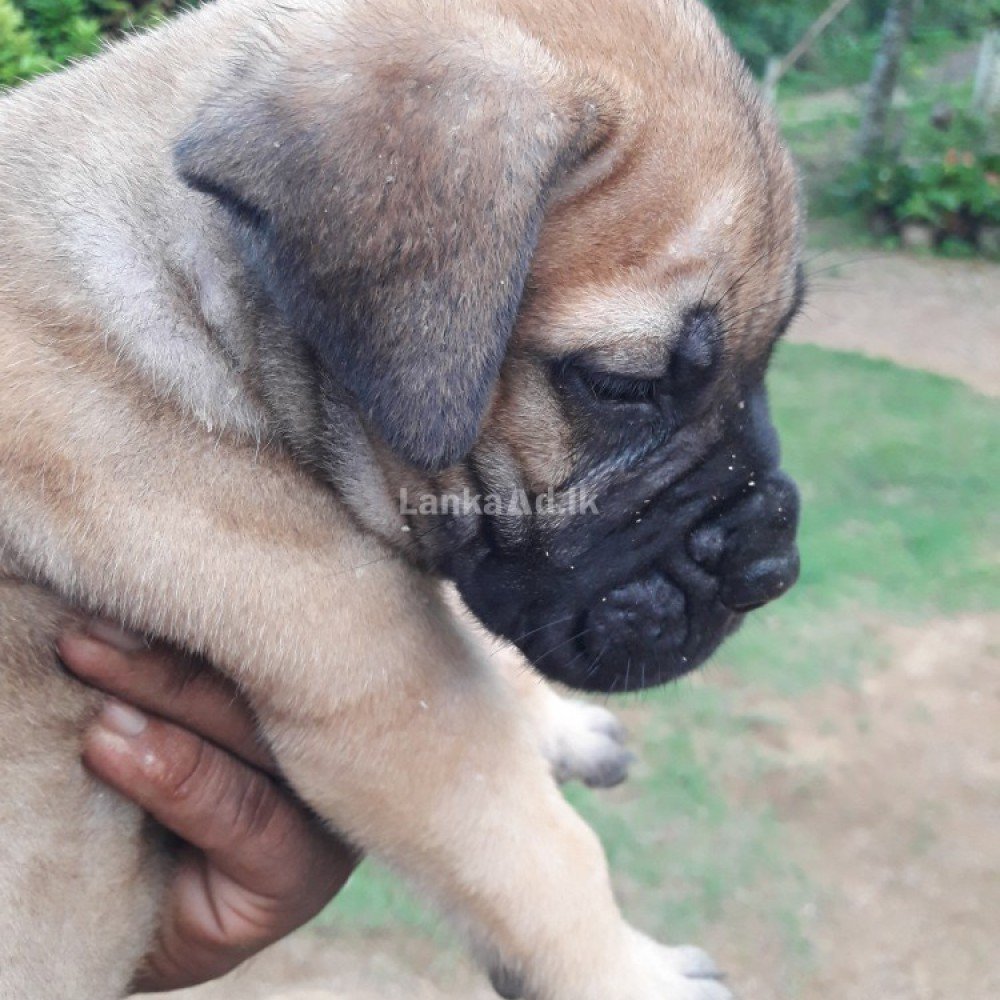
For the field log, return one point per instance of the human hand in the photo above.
(179, 740)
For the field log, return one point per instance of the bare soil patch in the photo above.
(939, 315)
(890, 794)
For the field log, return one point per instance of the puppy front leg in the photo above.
(436, 769)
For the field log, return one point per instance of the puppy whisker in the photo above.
(552, 649)
(739, 281)
(558, 621)
(708, 282)
(836, 265)
(592, 669)
(750, 310)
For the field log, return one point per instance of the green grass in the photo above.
(898, 471)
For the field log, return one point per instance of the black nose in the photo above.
(751, 547)
(760, 582)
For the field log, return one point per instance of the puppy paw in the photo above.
(684, 973)
(507, 983)
(698, 989)
(681, 973)
(585, 742)
(691, 962)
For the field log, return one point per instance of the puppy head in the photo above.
(525, 273)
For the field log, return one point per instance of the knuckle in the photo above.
(187, 776)
(218, 803)
(254, 818)
(269, 831)
(256, 807)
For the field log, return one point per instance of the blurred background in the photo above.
(820, 806)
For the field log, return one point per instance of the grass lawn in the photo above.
(898, 471)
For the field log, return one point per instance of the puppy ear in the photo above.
(388, 201)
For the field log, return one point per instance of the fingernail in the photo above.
(82, 654)
(115, 636)
(122, 719)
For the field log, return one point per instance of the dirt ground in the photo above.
(940, 315)
(890, 794)
(890, 790)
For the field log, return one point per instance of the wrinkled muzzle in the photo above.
(694, 594)
(647, 588)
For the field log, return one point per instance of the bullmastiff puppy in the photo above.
(306, 308)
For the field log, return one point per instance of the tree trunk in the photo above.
(986, 98)
(873, 137)
(777, 68)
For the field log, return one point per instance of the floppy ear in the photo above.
(388, 200)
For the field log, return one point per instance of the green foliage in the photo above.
(62, 29)
(20, 56)
(39, 35)
(117, 16)
(953, 191)
(941, 171)
(948, 180)
(762, 30)
(843, 55)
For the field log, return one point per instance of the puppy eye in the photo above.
(609, 388)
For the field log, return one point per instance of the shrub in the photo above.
(20, 56)
(948, 182)
(62, 29)
(39, 35)
(843, 55)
